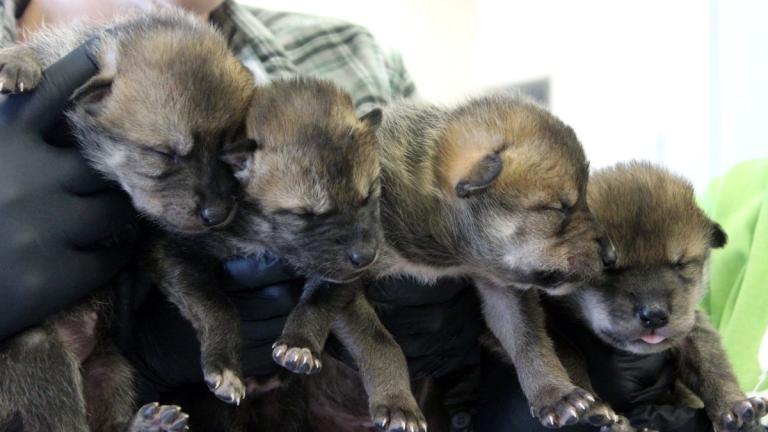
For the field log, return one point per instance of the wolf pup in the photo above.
(494, 189)
(647, 302)
(168, 98)
(310, 193)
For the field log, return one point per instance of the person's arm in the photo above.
(62, 228)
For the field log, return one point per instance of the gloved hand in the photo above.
(437, 326)
(61, 225)
(166, 351)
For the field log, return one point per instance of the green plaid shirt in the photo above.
(278, 44)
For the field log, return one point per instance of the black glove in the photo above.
(438, 326)
(60, 224)
(166, 351)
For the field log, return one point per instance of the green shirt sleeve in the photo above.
(737, 301)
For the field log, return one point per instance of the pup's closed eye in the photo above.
(169, 156)
(237, 153)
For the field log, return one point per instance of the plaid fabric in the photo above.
(286, 44)
(276, 45)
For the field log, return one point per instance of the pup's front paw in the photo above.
(565, 410)
(742, 415)
(297, 358)
(18, 73)
(600, 415)
(622, 424)
(159, 418)
(401, 415)
(226, 385)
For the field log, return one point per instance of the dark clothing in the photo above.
(636, 386)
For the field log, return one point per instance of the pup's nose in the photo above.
(653, 317)
(607, 252)
(361, 257)
(214, 215)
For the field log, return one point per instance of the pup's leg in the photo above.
(599, 413)
(20, 69)
(517, 320)
(190, 283)
(306, 329)
(110, 396)
(382, 367)
(706, 370)
(40, 383)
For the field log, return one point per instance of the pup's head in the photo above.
(313, 179)
(517, 177)
(168, 100)
(647, 300)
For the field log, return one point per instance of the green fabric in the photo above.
(738, 297)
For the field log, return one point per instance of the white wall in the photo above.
(679, 82)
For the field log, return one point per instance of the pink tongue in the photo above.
(653, 339)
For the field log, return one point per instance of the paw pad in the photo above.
(226, 385)
(296, 359)
(159, 418)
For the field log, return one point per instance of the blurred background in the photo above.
(682, 82)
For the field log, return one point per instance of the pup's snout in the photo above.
(214, 215)
(607, 252)
(653, 317)
(361, 257)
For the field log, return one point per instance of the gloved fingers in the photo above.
(405, 291)
(431, 366)
(92, 268)
(414, 320)
(269, 302)
(257, 271)
(43, 107)
(165, 347)
(78, 177)
(455, 313)
(47, 166)
(422, 345)
(257, 334)
(105, 220)
(57, 276)
(257, 362)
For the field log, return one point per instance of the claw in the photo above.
(170, 413)
(149, 410)
(279, 352)
(550, 421)
(181, 423)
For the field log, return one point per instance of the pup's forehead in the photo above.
(543, 160)
(650, 215)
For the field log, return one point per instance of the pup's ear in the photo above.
(718, 238)
(239, 153)
(481, 176)
(92, 94)
(372, 118)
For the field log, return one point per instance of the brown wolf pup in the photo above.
(494, 189)
(310, 193)
(169, 96)
(647, 302)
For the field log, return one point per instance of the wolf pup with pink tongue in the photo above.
(647, 302)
